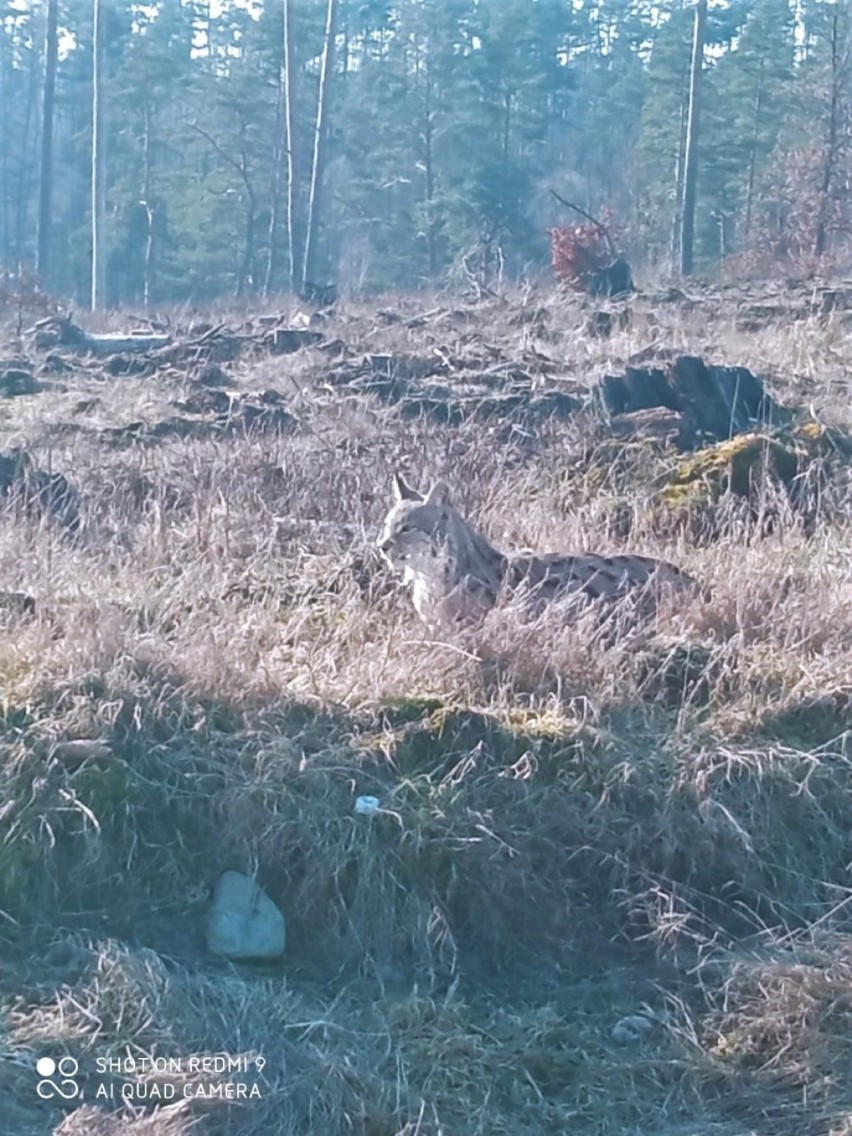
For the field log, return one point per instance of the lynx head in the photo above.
(416, 529)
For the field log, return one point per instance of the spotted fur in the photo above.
(457, 575)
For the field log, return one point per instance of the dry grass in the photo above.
(575, 827)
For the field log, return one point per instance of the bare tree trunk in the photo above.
(680, 162)
(507, 127)
(148, 267)
(344, 47)
(275, 191)
(45, 189)
(4, 153)
(246, 271)
(245, 276)
(319, 142)
(429, 170)
(26, 182)
(752, 158)
(690, 174)
(293, 244)
(246, 280)
(98, 171)
(832, 146)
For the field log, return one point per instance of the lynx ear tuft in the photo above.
(439, 494)
(403, 491)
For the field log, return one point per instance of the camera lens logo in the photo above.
(57, 1078)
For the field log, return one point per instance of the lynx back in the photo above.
(457, 575)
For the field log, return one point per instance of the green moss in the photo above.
(736, 466)
(400, 711)
(809, 431)
(732, 466)
(547, 724)
(436, 744)
(821, 441)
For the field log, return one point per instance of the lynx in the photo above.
(458, 576)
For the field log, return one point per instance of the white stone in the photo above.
(243, 922)
(632, 1030)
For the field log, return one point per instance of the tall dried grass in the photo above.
(575, 827)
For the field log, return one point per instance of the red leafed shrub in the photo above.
(578, 251)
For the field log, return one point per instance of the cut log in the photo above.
(113, 344)
(836, 299)
(655, 424)
(57, 331)
(286, 340)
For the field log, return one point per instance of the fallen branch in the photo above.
(59, 331)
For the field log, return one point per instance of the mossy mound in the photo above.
(812, 722)
(821, 441)
(734, 467)
(753, 469)
(434, 742)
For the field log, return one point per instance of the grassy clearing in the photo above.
(575, 833)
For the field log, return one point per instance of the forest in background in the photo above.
(447, 124)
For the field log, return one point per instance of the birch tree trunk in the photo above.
(314, 202)
(690, 173)
(680, 162)
(45, 188)
(148, 264)
(98, 170)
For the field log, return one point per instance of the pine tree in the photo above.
(749, 95)
(660, 150)
(810, 217)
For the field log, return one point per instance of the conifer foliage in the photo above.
(445, 123)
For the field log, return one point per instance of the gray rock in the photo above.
(243, 922)
(632, 1030)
